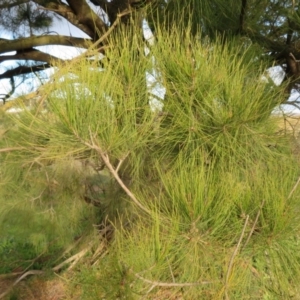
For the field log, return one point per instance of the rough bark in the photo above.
(85, 15)
(68, 13)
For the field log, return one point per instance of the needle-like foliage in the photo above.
(202, 193)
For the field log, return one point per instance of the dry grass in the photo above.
(36, 288)
(289, 124)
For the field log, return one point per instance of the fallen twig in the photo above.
(11, 149)
(74, 259)
(167, 284)
(31, 272)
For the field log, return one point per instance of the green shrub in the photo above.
(200, 193)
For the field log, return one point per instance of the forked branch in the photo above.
(114, 172)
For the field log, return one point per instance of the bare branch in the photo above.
(32, 54)
(234, 254)
(242, 16)
(121, 162)
(167, 284)
(67, 13)
(21, 70)
(74, 259)
(11, 149)
(294, 188)
(254, 224)
(85, 15)
(113, 171)
(34, 41)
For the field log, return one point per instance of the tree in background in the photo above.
(271, 28)
(27, 23)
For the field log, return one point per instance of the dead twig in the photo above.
(31, 272)
(294, 188)
(105, 159)
(11, 149)
(167, 284)
(120, 162)
(74, 259)
(234, 254)
(254, 224)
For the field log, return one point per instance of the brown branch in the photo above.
(242, 16)
(32, 54)
(85, 15)
(105, 159)
(113, 8)
(294, 58)
(74, 259)
(21, 70)
(44, 40)
(38, 41)
(289, 33)
(68, 13)
(91, 50)
(121, 162)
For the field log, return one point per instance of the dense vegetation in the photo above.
(128, 200)
(29, 27)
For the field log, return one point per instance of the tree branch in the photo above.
(34, 41)
(242, 16)
(70, 15)
(113, 171)
(85, 15)
(21, 70)
(32, 54)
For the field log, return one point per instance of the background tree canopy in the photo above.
(271, 28)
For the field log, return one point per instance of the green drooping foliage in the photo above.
(199, 188)
(269, 27)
